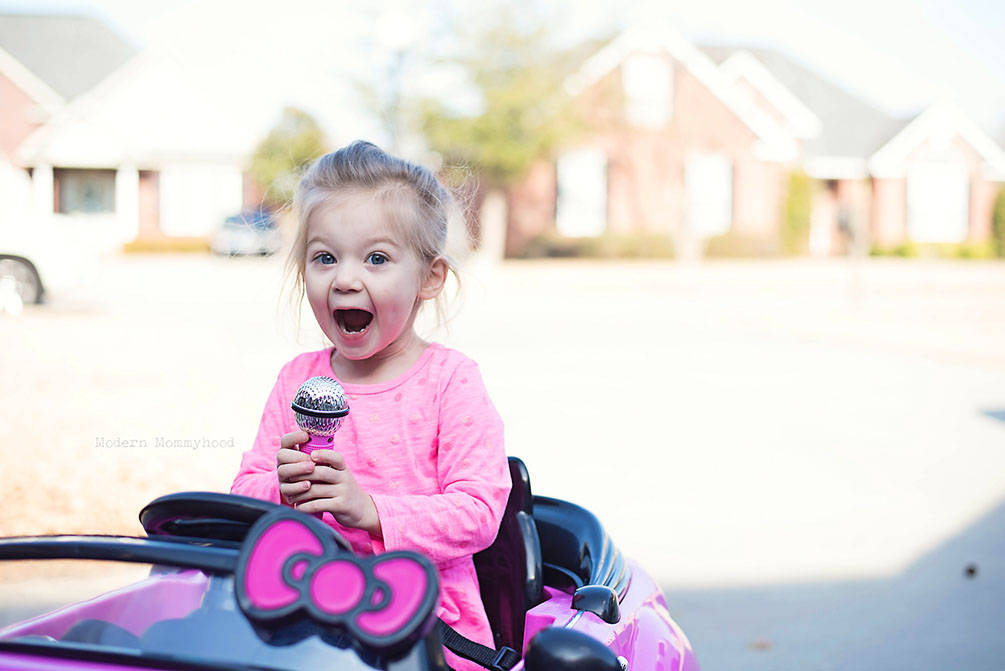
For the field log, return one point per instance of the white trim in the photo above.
(647, 81)
(941, 120)
(127, 202)
(777, 142)
(85, 133)
(581, 204)
(836, 167)
(33, 148)
(744, 65)
(775, 153)
(43, 183)
(708, 193)
(938, 200)
(28, 81)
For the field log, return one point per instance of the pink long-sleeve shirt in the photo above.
(428, 448)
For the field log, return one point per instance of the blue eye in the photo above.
(325, 259)
(377, 259)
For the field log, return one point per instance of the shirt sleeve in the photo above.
(257, 476)
(473, 476)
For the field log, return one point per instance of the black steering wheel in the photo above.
(208, 516)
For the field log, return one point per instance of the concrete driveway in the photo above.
(806, 455)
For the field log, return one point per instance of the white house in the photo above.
(147, 152)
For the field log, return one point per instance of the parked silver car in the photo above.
(252, 232)
(20, 283)
(42, 259)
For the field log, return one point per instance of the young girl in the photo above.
(419, 462)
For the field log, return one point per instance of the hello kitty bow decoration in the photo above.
(290, 562)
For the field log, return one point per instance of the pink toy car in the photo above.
(238, 583)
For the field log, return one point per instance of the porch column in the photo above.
(127, 202)
(823, 221)
(41, 177)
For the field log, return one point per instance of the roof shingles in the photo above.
(851, 128)
(71, 54)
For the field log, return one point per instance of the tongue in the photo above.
(355, 320)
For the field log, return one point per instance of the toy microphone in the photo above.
(319, 407)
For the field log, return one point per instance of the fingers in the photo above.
(296, 472)
(305, 478)
(329, 458)
(295, 491)
(351, 506)
(293, 439)
(292, 465)
(291, 456)
(322, 466)
(320, 498)
(321, 495)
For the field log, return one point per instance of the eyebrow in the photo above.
(380, 240)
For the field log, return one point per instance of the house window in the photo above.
(581, 207)
(84, 191)
(938, 201)
(648, 83)
(708, 192)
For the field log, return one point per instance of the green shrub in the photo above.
(735, 245)
(795, 231)
(961, 250)
(998, 224)
(550, 245)
(904, 250)
(970, 250)
(167, 244)
(607, 246)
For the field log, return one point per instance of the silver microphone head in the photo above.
(319, 406)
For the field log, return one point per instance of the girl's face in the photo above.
(363, 282)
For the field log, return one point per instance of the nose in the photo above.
(346, 278)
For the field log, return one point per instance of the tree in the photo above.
(278, 161)
(517, 76)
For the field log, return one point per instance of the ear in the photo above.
(436, 277)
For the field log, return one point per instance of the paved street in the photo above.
(807, 456)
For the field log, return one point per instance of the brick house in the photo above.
(699, 143)
(936, 180)
(881, 181)
(671, 149)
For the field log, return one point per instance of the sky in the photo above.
(899, 55)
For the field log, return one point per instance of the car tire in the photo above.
(22, 274)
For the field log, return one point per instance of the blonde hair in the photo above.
(419, 206)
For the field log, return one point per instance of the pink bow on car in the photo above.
(289, 563)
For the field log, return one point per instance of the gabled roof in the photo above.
(150, 111)
(850, 128)
(69, 54)
(800, 120)
(938, 124)
(28, 82)
(774, 142)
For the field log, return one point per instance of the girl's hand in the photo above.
(293, 467)
(332, 487)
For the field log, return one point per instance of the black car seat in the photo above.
(509, 570)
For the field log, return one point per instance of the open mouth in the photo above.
(353, 320)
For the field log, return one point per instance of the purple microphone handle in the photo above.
(317, 443)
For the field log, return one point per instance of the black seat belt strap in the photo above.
(503, 659)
